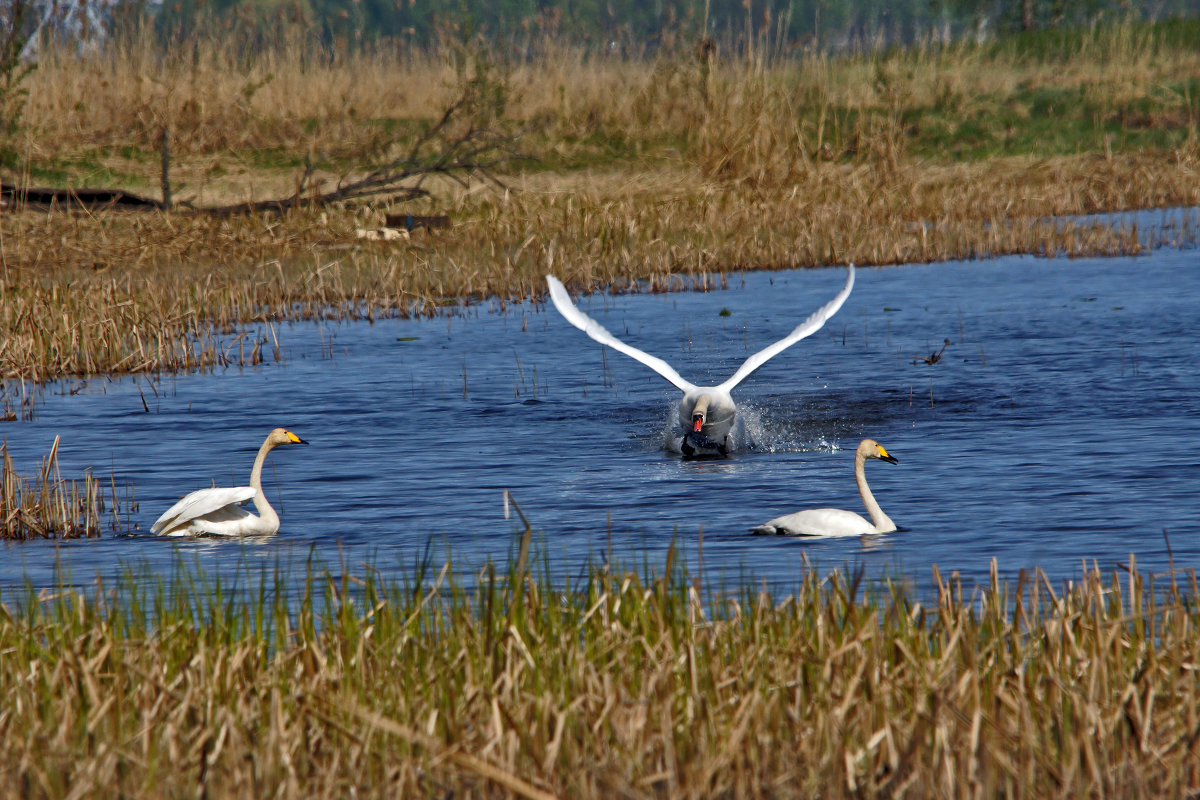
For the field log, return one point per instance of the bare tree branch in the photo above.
(455, 147)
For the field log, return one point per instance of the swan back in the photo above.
(831, 522)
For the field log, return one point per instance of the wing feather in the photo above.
(804, 329)
(562, 301)
(200, 503)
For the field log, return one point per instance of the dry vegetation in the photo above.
(49, 507)
(621, 687)
(679, 167)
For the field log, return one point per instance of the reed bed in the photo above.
(644, 170)
(621, 685)
(231, 98)
(50, 507)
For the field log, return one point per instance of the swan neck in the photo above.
(880, 520)
(260, 500)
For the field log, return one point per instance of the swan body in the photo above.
(218, 512)
(835, 521)
(707, 414)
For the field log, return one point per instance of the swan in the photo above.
(835, 521)
(218, 511)
(706, 413)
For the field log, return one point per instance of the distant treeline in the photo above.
(636, 27)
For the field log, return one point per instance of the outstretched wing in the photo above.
(201, 503)
(806, 328)
(562, 301)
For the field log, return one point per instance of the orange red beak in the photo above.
(697, 424)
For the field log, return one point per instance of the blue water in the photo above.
(1060, 428)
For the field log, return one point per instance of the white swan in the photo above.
(706, 413)
(835, 521)
(218, 511)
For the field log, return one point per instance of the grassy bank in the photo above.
(620, 686)
(683, 166)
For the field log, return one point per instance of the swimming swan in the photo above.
(218, 511)
(706, 413)
(835, 521)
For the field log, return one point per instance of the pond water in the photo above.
(1059, 428)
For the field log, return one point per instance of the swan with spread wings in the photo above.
(707, 414)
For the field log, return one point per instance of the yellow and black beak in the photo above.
(295, 439)
(884, 455)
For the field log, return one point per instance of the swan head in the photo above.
(869, 448)
(707, 410)
(700, 412)
(283, 436)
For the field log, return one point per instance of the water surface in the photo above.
(1059, 428)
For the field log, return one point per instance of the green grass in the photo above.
(1037, 122)
(272, 158)
(1061, 45)
(93, 168)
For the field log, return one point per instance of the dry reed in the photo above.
(49, 507)
(622, 686)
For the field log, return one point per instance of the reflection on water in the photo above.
(1058, 428)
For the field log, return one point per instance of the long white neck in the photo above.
(880, 520)
(260, 500)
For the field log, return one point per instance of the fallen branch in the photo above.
(18, 197)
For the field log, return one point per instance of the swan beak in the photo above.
(697, 423)
(295, 439)
(884, 455)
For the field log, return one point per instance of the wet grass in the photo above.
(644, 171)
(619, 685)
